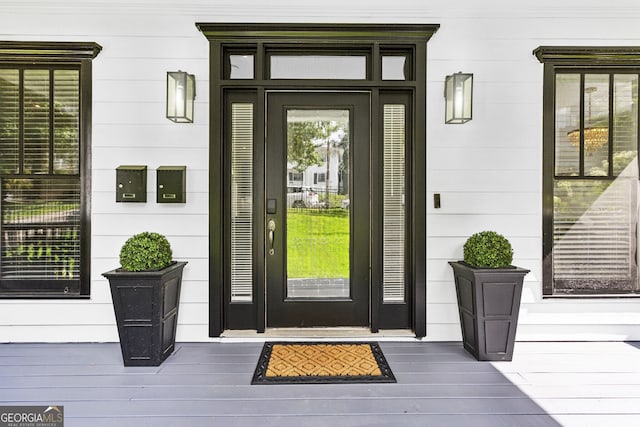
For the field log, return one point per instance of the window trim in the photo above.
(570, 59)
(588, 56)
(48, 51)
(77, 55)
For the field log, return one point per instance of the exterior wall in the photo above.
(487, 171)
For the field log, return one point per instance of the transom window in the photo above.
(43, 169)
(590, 179)
(284, 63)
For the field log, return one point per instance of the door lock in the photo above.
(271, 226)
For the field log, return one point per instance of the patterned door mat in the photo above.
(322, 363)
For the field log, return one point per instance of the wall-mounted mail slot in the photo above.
(172, 184)
(131, 183)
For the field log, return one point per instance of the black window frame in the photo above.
(580, 60)
(53, 56)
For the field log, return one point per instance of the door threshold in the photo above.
(320, 334)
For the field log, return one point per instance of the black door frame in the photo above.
(375, 41)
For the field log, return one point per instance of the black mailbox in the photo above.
(172, 184)
(131, 184)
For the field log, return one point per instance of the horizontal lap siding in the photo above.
(129, 127)
(487, 171)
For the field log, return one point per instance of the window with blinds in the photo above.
(595, 188)
(241, 202)
(393, 228)
(40, 203)
(40, 229)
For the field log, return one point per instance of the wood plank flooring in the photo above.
(439, 384)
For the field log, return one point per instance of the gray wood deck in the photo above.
(439, 384)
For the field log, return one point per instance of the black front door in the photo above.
(317, 223)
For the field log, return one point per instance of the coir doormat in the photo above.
(322, 363)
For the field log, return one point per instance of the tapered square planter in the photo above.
(488, 304)
(146, 307)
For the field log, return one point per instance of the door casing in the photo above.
(261, 40)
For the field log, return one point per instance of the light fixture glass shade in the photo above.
(458, 93)
(181, 91)
(594, 138)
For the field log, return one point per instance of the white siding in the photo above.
(487, 171)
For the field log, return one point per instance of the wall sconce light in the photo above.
(458, 93)
(181, 91)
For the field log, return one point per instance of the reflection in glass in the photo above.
(36, 111)
(319, 67)
(595, 209)
(9, 121)
(40, 229)
(596, 122)
(594, 231)
(241, 66)
(625, 123)
(318, 204)
(567, 121)
(393, 67)
(66, 122)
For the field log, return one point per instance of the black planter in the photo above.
(488, 303)
(146, 306)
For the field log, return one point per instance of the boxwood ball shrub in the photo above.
(488, 249)
(146, 251)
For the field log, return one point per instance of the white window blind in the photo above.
(393, 240)
(66, 122)
(9, 121)
(39, 143)
(241, 202)
(36, 121)
(567, 148)
(594, 236)
(41, 229)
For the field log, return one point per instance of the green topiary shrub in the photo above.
(145, 252)
(488, 249)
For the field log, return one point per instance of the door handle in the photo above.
(271, 226)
